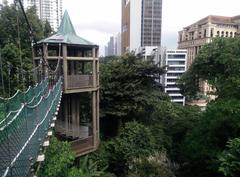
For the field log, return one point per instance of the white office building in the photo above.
(50, 10)
(176, 62)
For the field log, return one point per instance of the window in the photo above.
(176, 62)
(171, 86)
(222, 34)
(174, 74)
(178, 56)
(176, 68)
(205, 33)
(173, 92)
(172, 80)
(227, 34)
(177, 97)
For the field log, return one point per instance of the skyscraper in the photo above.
(50, 10)
(141, 24)
(113, 47)
(175, 60)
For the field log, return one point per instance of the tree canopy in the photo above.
(217, 63)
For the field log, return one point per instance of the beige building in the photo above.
(194, 36)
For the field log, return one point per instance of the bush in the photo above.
(230, 159)
(59, 158)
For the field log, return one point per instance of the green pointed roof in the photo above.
(66, 26)
(66, 34)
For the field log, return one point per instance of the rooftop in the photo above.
(216, 19)
(66, 34)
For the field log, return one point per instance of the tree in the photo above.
(15, 43)
(134, 141)
(88, 168)
(230, 159)
(59, 159)
(47, 29)
(202, 146)
(129, 90)
(155, 165)
(217, 63)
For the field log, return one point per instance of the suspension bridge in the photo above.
(29, 116)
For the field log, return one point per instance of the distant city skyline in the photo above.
(98, 20)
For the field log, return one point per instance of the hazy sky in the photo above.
(97, 20)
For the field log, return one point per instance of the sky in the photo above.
(97, 20)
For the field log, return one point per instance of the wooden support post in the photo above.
(94, 116)
(65, 67)
(77, 116)
(45, 57)
(66, 102)
(34, 63)
(73, 116)
(98, 71)
(98, 115)
(94, 67)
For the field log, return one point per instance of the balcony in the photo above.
(79, 81)
(80, 136)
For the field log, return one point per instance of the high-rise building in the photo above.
(113, 47)
(175, 60)
(194, 36)
(118, 44)
(47, 10)
(141, 24)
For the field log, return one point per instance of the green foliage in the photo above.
(87, 168)
(134, 141)
(10, 45)
(47, 29)
(230, 159)
(59, 158)
(128, 87)
(217, 62)
(128, 90)
(219, 123)
(156, 165)
(169, 125)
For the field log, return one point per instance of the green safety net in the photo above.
(10, 105)
(24, 130)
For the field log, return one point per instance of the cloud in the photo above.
(101, 26)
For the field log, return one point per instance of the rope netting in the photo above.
(25, 128)
(9, 106)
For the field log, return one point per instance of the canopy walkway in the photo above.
(24, 123)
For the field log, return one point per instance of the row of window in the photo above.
(173, 92)
(226, 34)
(178, 56)
(176, 62)
(174, 74)
(176, 68)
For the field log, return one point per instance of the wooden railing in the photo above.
(81, 137)
(79, 81)
(82, 146)
(72, 130)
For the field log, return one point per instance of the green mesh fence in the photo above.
(23, 132)
(8, 105)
